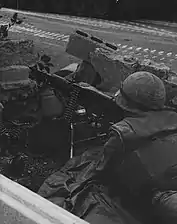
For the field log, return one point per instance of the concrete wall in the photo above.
(114, 68)
(18, 205)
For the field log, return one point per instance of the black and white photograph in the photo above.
(88, 112)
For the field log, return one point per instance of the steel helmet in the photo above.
(141, 91)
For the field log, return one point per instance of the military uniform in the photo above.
(140, 156)
(147, 143)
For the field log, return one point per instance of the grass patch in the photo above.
(56, 50)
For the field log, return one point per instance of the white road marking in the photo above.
(29, 29)
(153, 51)
(138, 49)
(172, 59)
(169, 54)
(161, 52)
(129, 26)
(146, 49)
(138, 54)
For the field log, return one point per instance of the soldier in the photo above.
(136, 164)
(146, 142)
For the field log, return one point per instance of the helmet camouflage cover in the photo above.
(141, 91)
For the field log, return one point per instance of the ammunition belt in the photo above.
(71, 104)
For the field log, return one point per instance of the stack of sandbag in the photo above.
(15, 77)
(114, 67)
(16, 87)
(81, 44)
(16, 52)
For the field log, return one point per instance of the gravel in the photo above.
(29, 172)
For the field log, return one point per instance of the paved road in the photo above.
(143, 39)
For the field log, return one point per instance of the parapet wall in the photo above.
(114, 68)
(18, 205)
(81, 44)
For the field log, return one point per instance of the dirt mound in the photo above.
(15, 52)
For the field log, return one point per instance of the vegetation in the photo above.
(5, 28)
(107, 9)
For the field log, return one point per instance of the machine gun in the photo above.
(83, 94)
(88, 112)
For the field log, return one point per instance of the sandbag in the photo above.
(17, 52)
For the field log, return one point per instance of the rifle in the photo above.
(93, 100)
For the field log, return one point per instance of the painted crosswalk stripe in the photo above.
(61, 37)
(169, 54)
(161, 52)
(153, 51)
(108, 24)
(138, 49)
(145, 50)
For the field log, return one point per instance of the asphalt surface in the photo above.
(144, 39)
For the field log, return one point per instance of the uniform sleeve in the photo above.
(126, 134)
(115, 142)
(114, 147)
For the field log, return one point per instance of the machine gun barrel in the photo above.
(89, 97)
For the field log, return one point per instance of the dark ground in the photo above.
(37, 169)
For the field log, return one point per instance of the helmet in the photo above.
(141, 91)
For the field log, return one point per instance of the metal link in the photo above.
(72, 104)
